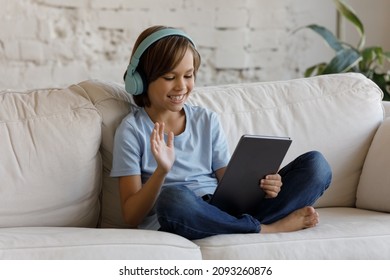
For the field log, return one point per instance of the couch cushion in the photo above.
(343, 233)
(50, 163)
(386, 106)
(43, 243)
(374, 186)
(334, 114)
(113, 103)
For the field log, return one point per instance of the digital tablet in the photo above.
(254, 157)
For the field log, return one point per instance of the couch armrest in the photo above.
(374, 190)
(386, 105)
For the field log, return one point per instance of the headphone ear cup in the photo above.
(134, 83)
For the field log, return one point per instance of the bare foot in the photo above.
(305, 217)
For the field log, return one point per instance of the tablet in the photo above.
(254, 157)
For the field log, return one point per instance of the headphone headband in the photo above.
(133, 80)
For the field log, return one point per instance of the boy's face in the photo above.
(170, 91)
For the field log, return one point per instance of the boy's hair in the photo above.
(160, 58)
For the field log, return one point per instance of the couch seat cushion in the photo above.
(343, 233)
(97, 244)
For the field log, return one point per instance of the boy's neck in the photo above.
(174, 121)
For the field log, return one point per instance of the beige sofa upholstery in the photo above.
(58, 202)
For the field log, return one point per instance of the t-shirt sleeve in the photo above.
(221, 154)
(126, 152)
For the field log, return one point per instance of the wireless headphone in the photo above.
(134, 83)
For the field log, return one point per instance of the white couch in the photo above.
(57, 200)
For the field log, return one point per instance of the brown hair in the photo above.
(160, 58)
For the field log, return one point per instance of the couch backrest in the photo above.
(50, 165)
(335, 114)
(386, 106)
(113, 103)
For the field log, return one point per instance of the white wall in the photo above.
(375, 16)
(54, 43)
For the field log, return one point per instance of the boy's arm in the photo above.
(137, 200)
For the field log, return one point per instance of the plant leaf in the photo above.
(343, 61)
(315, 70)
(327, 35)
(382, 80)
(347, 12)
(371, 56)
(387, 55)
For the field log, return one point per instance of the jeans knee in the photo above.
(173, 200)
(166, 198)
(320, 167)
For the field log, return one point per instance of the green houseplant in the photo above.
(366, 60)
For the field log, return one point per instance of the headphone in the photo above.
(134, 83)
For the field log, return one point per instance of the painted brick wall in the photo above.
(54, 43)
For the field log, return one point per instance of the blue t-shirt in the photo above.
(200, 150)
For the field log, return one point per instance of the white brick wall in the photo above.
(55, 43)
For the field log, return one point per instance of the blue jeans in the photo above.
(181, 212)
